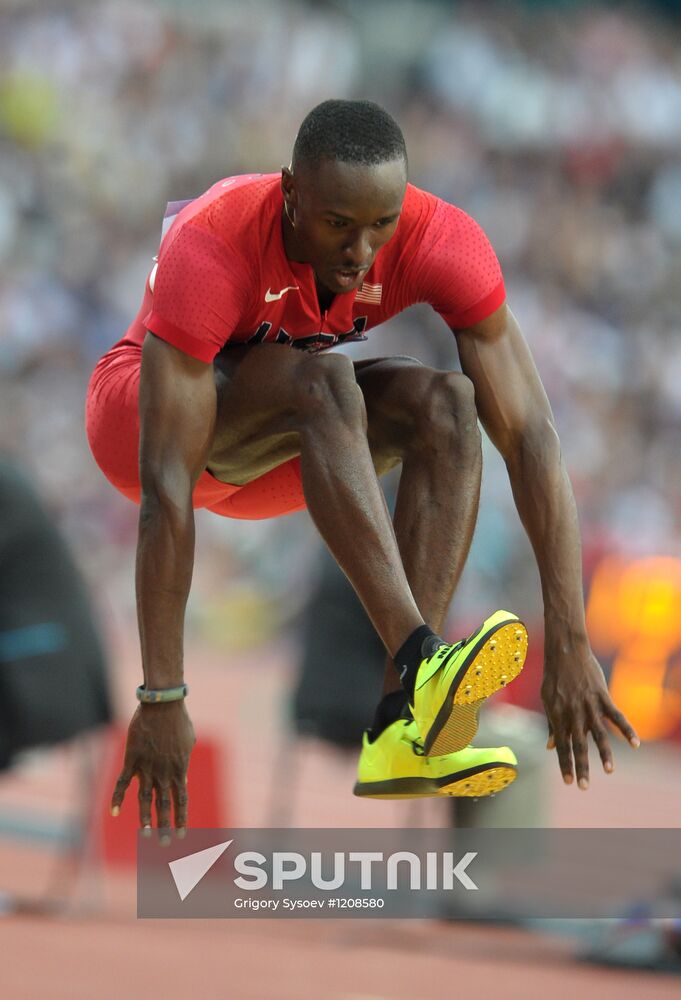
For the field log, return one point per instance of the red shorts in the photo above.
(112, 424)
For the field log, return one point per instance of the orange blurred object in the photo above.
(633, 616)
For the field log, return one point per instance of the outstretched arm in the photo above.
(515, 412)
(177, 419)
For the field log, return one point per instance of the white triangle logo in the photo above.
(189, 870)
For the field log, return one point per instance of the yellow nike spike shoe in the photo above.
(395, 767)
(452, 683)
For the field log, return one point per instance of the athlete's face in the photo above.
(342, 214)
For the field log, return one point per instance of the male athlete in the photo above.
(222, 389)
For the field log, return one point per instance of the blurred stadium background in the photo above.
(558, 126)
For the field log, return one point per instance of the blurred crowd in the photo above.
(557, 126)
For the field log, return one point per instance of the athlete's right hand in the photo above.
(160, 741)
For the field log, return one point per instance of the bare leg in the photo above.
(348, 508)
(274, 403)
(426, 419)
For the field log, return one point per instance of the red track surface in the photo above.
(106, 954)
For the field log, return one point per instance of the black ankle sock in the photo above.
(388, 710)
(421, 643)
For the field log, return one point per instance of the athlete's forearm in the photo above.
(546, 505)
(165, 559)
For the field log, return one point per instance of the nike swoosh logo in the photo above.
(274, 296)
(436, 662)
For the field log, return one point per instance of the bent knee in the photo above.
(327, 386)
(449, 410)
(458, 394)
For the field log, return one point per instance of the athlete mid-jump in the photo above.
(222, 395)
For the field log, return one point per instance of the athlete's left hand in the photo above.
(577, 702)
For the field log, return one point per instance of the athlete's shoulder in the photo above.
(444, 258)
(228, 210)
(237, 206)
(444, 218)
(447, 236)
(424, 220)
(418, 209)
(427, 224)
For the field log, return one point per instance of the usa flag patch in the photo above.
(369, 293)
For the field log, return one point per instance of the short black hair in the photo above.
(350, 131)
